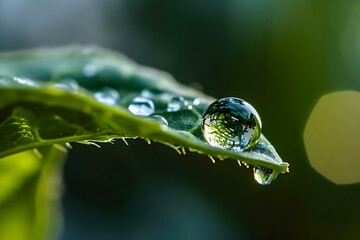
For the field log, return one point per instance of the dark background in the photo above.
(281, 56)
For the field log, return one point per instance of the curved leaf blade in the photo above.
(75, 113)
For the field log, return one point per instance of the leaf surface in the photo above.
(85, 94)
(30, 193)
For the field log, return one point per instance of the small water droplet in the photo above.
(67, 84)
(108, 96)
(89, 70)
(160, 119)
(264, 176)
(146, 93)
(196, 101)
(176, 104)
(231, 123)
(141, 106)
(25, 81)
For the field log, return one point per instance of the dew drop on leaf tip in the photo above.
(231, 123)
(264, 176)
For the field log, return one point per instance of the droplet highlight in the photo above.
(264, 176)
(108, 96)
(142, 106)
(231, 123)
(196, 101)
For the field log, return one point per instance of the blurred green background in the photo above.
(281, 56)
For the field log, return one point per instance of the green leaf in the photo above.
(29, 196)
(61, 95)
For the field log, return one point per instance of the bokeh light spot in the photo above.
(332, 137)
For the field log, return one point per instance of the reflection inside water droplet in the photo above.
(141, 106)
(264, 176)
(231, 123)
(160, 119)
(176, 103)
(67, 84)
(108, 96)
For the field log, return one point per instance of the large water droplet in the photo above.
(108, 96)
(141, 106)
(231, 123)
(176, 103)
(264, 176)
(67, 84)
